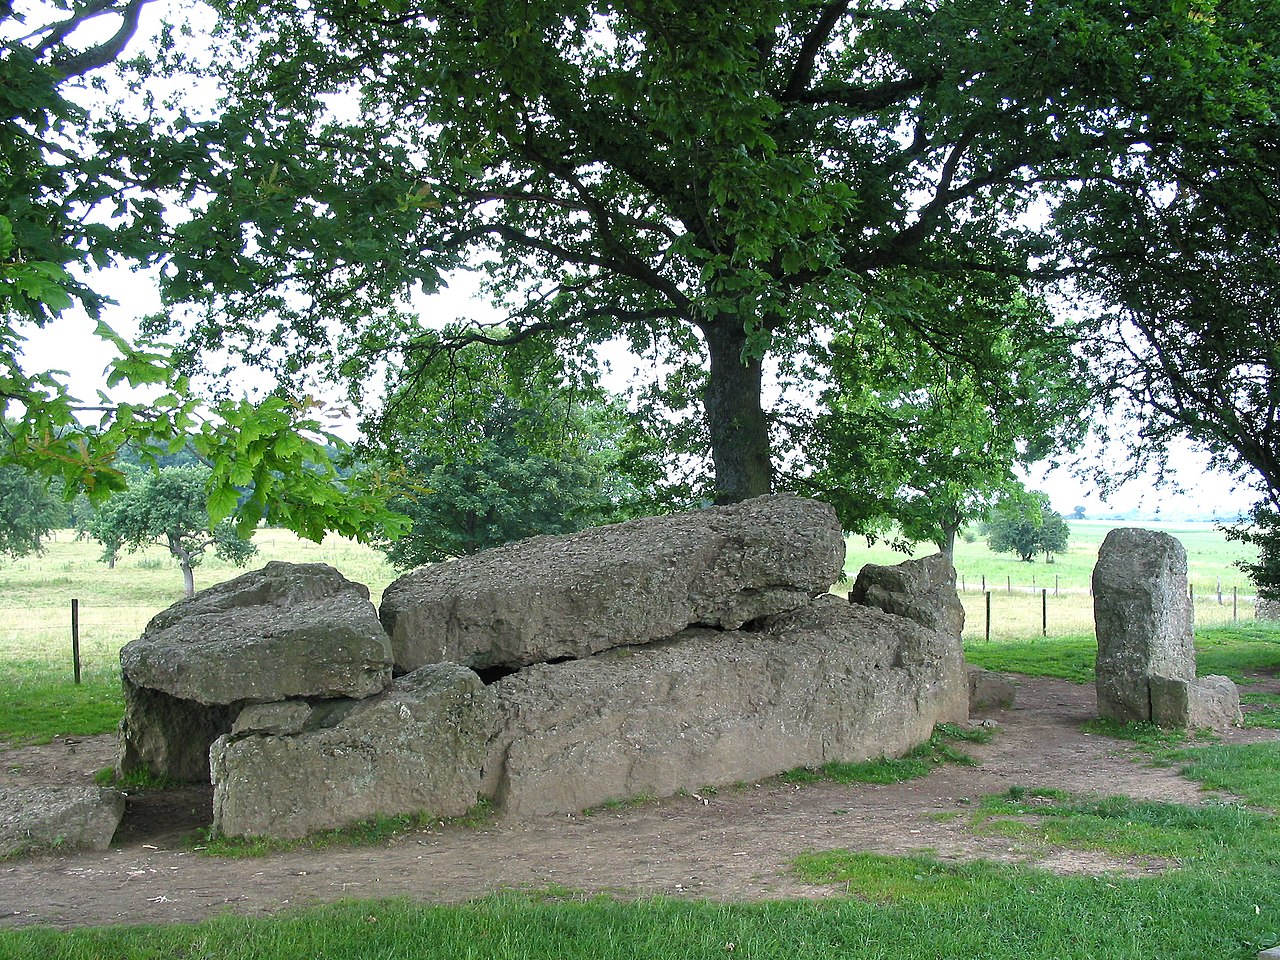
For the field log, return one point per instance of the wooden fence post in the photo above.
(75, 639)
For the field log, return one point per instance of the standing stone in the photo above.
(551, 598)
(1142, 615)
(922, 590)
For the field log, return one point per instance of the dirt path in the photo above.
(736, 845)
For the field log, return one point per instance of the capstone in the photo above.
(284, 632)
(551, 598)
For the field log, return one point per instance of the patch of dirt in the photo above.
(734, 845)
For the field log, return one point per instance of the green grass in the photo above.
(918, 762)
(1222, 834)
(1264, 712)
(1239, 652)
(1146, 735)
(1067, 658)
(900, 908)
(38, 704)
(1250, 772)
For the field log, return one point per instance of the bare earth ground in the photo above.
(734, 845)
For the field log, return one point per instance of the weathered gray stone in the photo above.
(554, 597)
(830, 681)
(1211, 702)
(922, 590)
(280, 719)
(73, 817)
(1267, 609)
(989, 690)
(417, 748)
(282, 632)
(1142, 615)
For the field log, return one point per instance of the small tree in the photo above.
(28, 512)
(168, 507)
(1025, 525)
(1054, 534)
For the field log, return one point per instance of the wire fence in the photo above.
(1006, 610)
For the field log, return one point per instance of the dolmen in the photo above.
(1146, 666)
(545, 676)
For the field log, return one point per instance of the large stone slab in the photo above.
(288, 630)
(1142, 615)
(1211, 702)
(292, 769)
(69, 818)
(830, 681)
(922, 590)
(568, 597)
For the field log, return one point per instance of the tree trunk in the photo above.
(736, 420)
(948, 545)
(184, 560)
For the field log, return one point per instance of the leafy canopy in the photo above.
(29, 512)
(712, 184)
(916, 442)
(72, 204)
(502, 454)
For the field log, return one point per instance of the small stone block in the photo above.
(1271, 953)
(279, 719)
(989, 691)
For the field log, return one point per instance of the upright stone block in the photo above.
(922, 590)
(1143, 619)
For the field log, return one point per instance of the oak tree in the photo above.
(710, 184)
